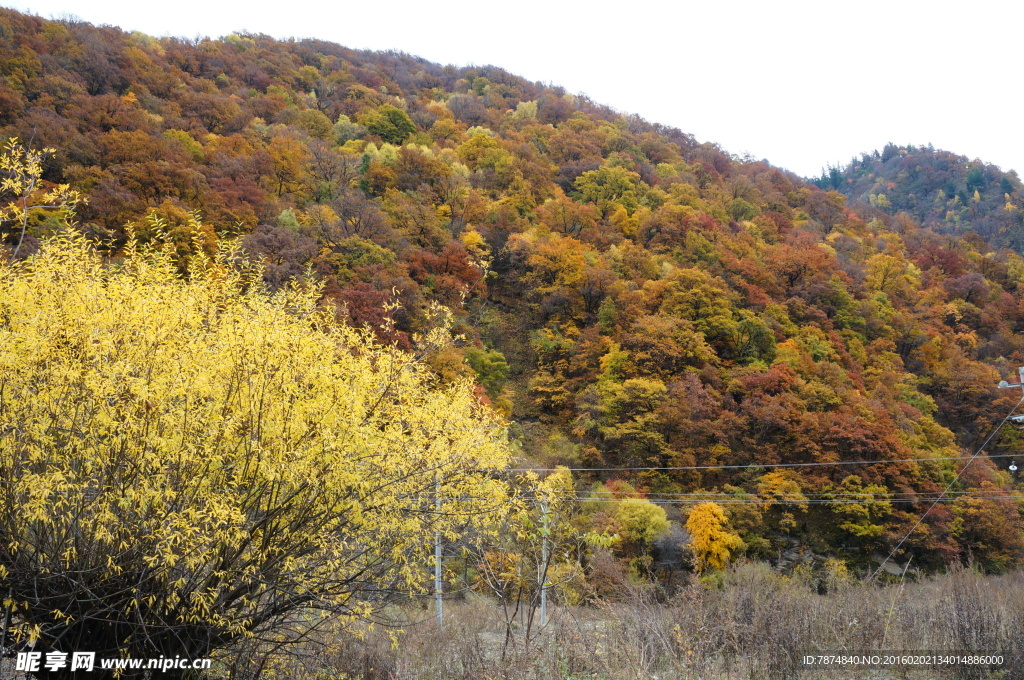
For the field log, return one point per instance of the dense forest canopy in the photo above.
(628, 297)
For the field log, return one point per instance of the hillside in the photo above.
(629, 298)
(944, 191)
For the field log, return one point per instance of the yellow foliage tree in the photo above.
(710, 539)
(190, 461)
(861, 507)
(782, 487)
(641, 520)
(21, 170)
(537, 551)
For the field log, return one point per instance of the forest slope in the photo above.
(629, 297)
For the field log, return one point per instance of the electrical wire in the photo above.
(777, 497)
(769, 502)
(755, 465)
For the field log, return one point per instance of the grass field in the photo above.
(754, 624)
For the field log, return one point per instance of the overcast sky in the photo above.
(801, 83)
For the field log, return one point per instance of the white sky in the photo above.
(801, 83)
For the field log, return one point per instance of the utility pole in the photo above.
(544, 564)
(439, 607)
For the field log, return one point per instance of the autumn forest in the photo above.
(697, 359)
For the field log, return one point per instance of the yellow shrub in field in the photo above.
(185, 461)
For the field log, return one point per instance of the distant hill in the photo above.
(941, 190)
(630, 298)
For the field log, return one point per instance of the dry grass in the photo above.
(753, 625)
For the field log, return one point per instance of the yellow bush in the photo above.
(196, 459)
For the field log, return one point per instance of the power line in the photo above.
(756, 465)
(763, 503)
(777, 497)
